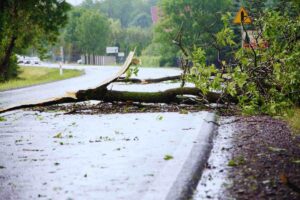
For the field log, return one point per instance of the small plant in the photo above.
(2, 119)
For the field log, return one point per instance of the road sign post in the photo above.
(242, 17)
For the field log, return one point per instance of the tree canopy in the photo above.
(92, 32)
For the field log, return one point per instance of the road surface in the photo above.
(112, 156)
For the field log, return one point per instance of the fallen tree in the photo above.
(175, 95)
(101, 93)
(167, 96)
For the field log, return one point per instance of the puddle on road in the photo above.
(115, 156)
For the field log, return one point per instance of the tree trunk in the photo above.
(4, 64)
(167, 96)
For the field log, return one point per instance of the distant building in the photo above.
(155, 14)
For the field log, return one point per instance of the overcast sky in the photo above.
(74, 2)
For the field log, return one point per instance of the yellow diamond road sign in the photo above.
(242, 16)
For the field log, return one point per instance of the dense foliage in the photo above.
(126, 24)
(263, 80)
(92, 32)
(130, 12)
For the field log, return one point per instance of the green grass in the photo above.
(36, 75)
(294, 121)
(150, 61)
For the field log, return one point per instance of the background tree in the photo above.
(22, 22)
(129, 12)
(93, 33)
(197, 20)
(130, 26)
(69, 36)
(136, 37)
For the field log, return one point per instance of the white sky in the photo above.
(74, 2)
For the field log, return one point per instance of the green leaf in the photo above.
(232, 163)
(58, 135)
(168, 157)
(159, 117)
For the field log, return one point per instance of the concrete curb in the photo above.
(178, 179)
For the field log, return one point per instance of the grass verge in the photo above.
(150, 61)
(294, 121)
(36, 75)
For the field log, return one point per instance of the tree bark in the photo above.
(4, 64)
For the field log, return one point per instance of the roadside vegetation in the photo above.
(37, 75)
(294, 121)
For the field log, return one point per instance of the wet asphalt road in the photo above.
(94, 75)
(109, 157)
